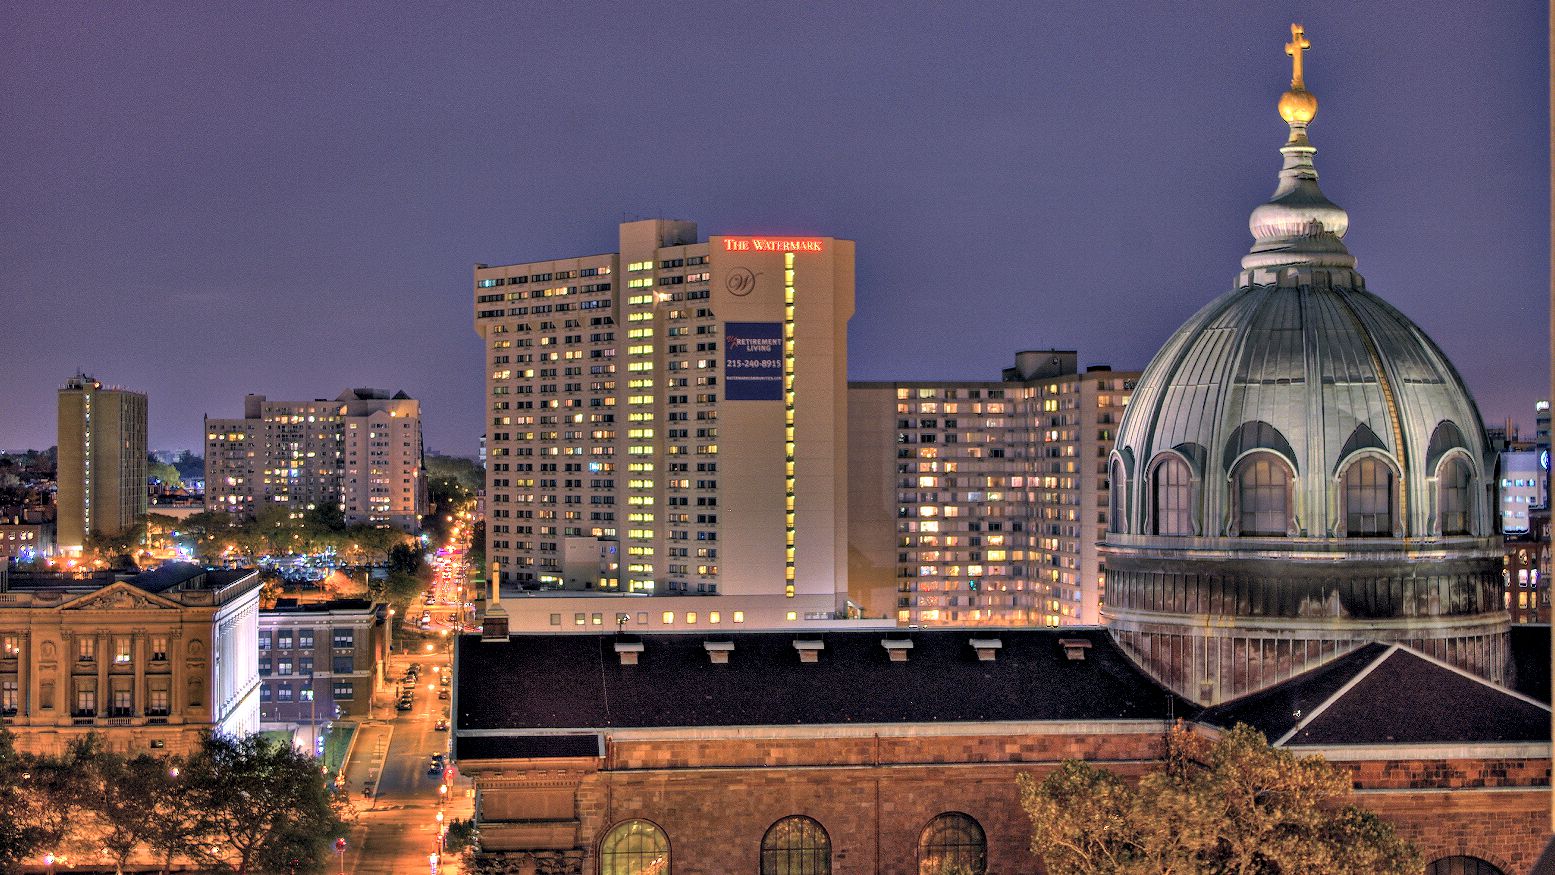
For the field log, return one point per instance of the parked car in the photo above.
(442, 693)
(403, 705)
(441, 725)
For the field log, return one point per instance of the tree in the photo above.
(22, 833)
(163, 473)
(406, 558)
(1228, 805)
(122, 796)
(262, 801)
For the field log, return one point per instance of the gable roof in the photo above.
(1387, 694)
(577, 681)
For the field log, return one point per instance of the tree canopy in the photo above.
(1233, 805)
(245, 805)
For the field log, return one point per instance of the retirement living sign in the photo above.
(753, 361)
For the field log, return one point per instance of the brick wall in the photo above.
(716, 798)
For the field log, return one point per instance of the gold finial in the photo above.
(1298, 105)
(1298, 42)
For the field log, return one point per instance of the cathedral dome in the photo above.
(1300, 470)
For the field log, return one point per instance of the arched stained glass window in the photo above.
(1171, 498)
(1117, 485)
(1263, 496)
(634, 847)
(952, 842)
(1461, 866)
(1368, 499)
(1453, 482)
(796, 845)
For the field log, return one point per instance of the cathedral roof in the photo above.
(1384, 695)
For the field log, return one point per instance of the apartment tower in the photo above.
(981, 503)
(102, 461)
(670, 420)
(361, 450)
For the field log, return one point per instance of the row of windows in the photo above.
(799, 845)
(1263, 491)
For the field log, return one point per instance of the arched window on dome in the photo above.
(1454, 491)
(952, 842)
(634, 847)
(1367, 490)
(796, 845)
(1117, 484)
(1263, 494)
(1171, 497)
(1461, 865)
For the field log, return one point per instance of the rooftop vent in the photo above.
(987, 648)
(809, 651)
(1075, 648)
(718, 651)
(628, 651)
(897, 648)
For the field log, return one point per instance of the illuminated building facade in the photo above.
(361, 451)
(982, 503)
(320, 661)
(147, 663)
(669, 420)
(102, 461)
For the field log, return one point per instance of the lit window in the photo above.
(635, 847)
(796, 844)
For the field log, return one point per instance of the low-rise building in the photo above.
(147, 662)
(319, 662)
(26, 541)
(1527, 570)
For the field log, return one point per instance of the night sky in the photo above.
(206, 200)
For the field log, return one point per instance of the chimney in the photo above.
(628, 651)
(494, 626)
(718, 651)
(897, 648)
(987, 648)
(1075, 648)
(809, 651)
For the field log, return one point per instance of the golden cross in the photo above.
(1298, 41)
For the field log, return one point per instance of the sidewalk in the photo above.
(365, 767)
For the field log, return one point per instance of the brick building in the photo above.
(897, 751)
(319, 661)
(1527, 570)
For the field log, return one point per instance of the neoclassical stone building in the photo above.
(147, 662)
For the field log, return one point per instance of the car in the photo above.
(441, 725)
(415, 668)
(443, 693)
(435, 770)
(403, 705)
(447, 680)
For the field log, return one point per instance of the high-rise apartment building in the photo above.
(361, 451)
(102, 461)
(669, 420)
(982, 503)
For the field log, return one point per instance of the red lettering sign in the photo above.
(772, 244)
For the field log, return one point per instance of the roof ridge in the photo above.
(1339, 693)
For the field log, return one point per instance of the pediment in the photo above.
(119, 597)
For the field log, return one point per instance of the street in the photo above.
(397, 829)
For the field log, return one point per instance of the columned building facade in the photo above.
(148, 662)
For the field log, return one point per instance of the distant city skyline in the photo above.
(206, 203)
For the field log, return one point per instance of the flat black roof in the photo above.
(566, 681)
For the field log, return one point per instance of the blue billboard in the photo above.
(753, 361)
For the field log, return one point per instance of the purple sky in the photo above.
(205, 200)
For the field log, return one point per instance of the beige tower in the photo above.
(102, 461)
(670, 420)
